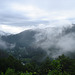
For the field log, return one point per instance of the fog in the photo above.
(5, 45)
(54, 40)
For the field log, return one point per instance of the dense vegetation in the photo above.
(61, 66)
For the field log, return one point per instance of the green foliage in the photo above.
(45, 67)
(10, 72)
(2, 73)
(26, 73)
(56, 65)
(60, 66)
(67, 64)
(10, 62)
(56, 72)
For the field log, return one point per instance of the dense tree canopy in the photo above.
(61, 66)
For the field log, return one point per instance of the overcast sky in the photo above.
(26, 14)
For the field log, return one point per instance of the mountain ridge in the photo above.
(48, 42)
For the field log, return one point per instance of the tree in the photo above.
(67, 64)
(10, 72)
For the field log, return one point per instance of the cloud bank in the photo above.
(54, 41)
(23, 13)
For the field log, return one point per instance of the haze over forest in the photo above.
(32, 30)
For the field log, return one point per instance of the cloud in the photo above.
(5, 45)
(35, 12)
(19, 15)
(33, 25)
(11, 29)
(67, 42)
(54, 41)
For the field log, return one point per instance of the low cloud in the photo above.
(5, 45)
(54, 41)
(26, 13)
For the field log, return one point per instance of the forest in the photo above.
(37, 37)
(62, 65)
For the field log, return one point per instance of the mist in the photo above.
(54, 40)
(5, 45)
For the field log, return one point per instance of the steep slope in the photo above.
(52, 41)
(3, 54)
(21, 39)
(23, 45)
(2, 33)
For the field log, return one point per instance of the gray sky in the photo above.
(27, 14)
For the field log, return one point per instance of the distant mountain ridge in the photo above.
(2, 33)
(25, 43)
(23, 38)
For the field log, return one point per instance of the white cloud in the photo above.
(31, 11)
(11, 29)
(36, 13)
(15, 29)
(20, 13)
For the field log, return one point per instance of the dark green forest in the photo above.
(62, 65)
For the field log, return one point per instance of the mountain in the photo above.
(40, 43)
(70, 30)
(22, 43)
(3, 54)
(22, 39)
(2, 33)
